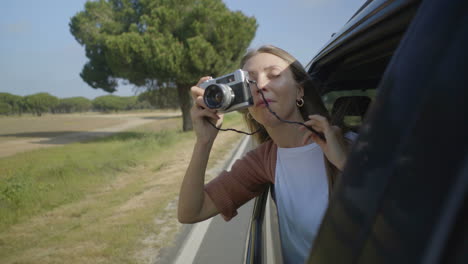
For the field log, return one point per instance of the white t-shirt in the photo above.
(301, 194)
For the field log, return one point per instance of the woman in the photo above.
(289, 156)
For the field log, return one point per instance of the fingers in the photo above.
(220, 120)
(197, 95)
(213, 114)
(204, 79)
(196, 91)
(199, 109)
(333, 145)
(200, 103)
(319, 123)
(310, 137)
(307, 138)
(199, 112)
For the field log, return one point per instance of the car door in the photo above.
(402, 197)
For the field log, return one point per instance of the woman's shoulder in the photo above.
(265, 156)
(265, 148)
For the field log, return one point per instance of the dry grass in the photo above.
(26, 133)
(49, 125)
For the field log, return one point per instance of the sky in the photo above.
(39, 54)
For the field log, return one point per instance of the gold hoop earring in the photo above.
(249, 116)
(300, 102)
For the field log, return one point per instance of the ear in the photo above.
(300, 92)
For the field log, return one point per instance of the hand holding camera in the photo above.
(202, 115)
(228, 93)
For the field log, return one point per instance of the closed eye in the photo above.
(273, 75)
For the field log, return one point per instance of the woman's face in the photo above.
(276, 81)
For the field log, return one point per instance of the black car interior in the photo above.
(352, 65)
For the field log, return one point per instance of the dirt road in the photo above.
(61, 131)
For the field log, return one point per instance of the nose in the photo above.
(260, 84)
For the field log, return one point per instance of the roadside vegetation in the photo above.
(109, 200)
(43, 103)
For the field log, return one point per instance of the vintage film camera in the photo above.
(229, 92)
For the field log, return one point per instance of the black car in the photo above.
(401, 68)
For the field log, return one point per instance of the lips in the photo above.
(262, 103)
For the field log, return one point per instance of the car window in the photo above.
(348, 107)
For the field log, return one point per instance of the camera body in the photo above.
(229, 92)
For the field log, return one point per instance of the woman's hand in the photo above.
(334, 147)
(201, 114)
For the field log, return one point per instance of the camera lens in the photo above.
(218, 96)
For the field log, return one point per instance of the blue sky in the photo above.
(38, 53)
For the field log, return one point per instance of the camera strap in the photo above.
(273, 113)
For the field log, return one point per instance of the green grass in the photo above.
(44, 179)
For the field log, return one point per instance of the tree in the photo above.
(160, 41)
(16, 103)
(73, 104)
(142, 104)
(40, 103)
(5, 109)
(162, 98)
(107, 103)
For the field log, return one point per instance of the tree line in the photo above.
(40, 103)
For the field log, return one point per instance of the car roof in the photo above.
(371, 36)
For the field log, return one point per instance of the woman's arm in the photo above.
(194, 204)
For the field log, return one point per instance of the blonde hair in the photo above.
(313, 104)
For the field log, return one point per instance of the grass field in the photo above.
(48, 125)
(110, 200)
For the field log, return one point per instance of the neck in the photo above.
(287, 135)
